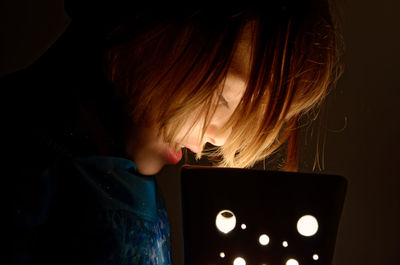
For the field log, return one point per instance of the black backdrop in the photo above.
(360, 129)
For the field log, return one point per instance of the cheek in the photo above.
(191, 130)
(146, 136)
(143, 138)
(222, 115)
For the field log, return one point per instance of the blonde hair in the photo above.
(178, 60)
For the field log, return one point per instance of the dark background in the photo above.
(359, 132)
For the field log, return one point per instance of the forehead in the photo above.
(242, 56)
(239, 70)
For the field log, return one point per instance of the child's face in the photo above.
(150, 152)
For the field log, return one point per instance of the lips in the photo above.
(174, 156)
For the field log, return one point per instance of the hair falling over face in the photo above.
(174, 63)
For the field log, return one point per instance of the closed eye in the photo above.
(223, 101)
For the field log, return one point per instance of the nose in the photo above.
(215, 137)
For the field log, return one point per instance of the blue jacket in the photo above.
(63, 201)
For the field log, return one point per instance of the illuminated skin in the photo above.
(146, 147)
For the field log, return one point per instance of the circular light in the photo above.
(285, 244)
(222, 255)
(315, 257)
(263, 239)
(292, 262)
(307, 225)
(243, 226)
(225, 221)
(239, 261)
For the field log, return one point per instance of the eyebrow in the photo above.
(238, 70)
(240, 66)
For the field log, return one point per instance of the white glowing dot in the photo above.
(285, 244)
(263, 239)
(307, 225)
(292, 262)
(243, 226)
(222, 255)
(239, 261)
(315, 257)
(225, 221)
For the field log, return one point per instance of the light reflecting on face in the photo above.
(225, 221)
(145, 145)
(263, 239)
(229, 93)
(285, 244)
(239, 261)
(292, 262)
(307, 225)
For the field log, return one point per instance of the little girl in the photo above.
(118, 96)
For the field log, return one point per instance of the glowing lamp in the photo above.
(307, 225)
(225, 221)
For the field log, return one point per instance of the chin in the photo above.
(148, 170)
